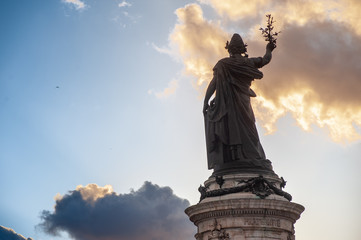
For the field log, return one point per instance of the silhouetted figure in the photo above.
(232, 140)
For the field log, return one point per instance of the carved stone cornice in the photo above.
(244, 208)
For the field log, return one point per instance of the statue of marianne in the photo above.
(231, 136)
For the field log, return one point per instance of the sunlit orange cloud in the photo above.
(291, 11)
(199, 42)
(314, 75)
(236, 9)
(315, 71)
(92, 192)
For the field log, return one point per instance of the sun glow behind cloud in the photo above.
(92, 192)
(199, 42)
(314, 74)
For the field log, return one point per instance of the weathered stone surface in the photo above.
(244, 215)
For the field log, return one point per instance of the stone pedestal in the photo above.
(244, 206)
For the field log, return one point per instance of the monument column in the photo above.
(244, 206)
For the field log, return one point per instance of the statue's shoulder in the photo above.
(234, 61)
(224, 60)
(221, 63)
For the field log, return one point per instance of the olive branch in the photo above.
(267, 31)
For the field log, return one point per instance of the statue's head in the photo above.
(236, 45)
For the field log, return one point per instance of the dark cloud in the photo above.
(9, 234)
(152, 212)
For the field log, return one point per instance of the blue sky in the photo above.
(111, 93)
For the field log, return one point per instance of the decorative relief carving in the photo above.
(219, 181)
(264, 235)
(257, 185)
(270, 222)
(243, 212)
(198, 236)
(291, 235)
(217, 232)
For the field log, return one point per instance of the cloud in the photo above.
(168, 91)
(124, 4)
(163, 50)
(198, 41)
(287, 11)
(314, 73)
(78, 4)
(98, 213)
(315, 76)
(238, 9)
(10, 234)
(92, 192)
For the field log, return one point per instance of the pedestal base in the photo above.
(244, 215)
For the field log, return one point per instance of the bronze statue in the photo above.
(231, 136)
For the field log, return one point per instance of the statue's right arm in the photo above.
(210, 90)
(261, 61)
(268, 55)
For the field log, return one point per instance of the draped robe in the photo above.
(231, 133)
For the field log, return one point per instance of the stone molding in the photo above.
(245, 218)
(244, 208)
